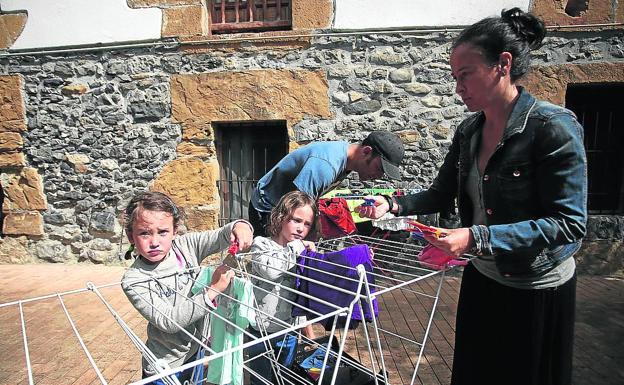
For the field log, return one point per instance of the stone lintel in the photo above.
(249, 96)
(550, 82)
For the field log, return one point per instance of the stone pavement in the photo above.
(57, 358)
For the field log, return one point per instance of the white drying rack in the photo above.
(397, 274)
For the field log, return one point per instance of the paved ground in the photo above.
(57, 358)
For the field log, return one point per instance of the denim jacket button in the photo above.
(516, 173)
(489, 211)
(486, 177)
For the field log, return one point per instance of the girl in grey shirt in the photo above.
(159, 282)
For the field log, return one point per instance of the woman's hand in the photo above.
(242, 233)
(453, 241)
(221, 279)
(374, 211)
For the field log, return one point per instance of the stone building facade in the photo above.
(81, 130)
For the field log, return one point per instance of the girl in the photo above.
(291, 222)
(152, 222)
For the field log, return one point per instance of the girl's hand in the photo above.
(309, 245)
(455, 242)
(221, 279)
(374, 211)
(243, 234)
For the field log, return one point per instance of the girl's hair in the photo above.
(515, 31)
(152, 201)
(286, 207)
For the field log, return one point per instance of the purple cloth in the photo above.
(348, 259)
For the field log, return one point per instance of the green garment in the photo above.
(228, 369)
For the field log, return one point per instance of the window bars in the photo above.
(400, 284)
(600, 114)
(231, 16)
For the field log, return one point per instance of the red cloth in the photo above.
(434, 258)
(335, 218)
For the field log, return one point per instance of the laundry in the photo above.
(240, 313)
(335, 218)
(341, 266)
(435, 258)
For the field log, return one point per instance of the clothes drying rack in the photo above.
(400, 281)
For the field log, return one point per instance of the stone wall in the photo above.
(100, 126)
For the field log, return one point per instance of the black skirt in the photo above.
(513, 336)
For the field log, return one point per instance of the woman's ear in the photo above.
(504, 63)
(129, 235)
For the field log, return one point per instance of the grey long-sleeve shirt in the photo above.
(273, 262)
(171, 295)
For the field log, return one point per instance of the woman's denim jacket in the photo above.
(534, 188)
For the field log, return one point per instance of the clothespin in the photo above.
(233, 249)
(230, 259)
(369, 202)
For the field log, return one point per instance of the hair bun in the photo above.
(526, 26)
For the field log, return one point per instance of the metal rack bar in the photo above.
(28, 366)
(82, 344)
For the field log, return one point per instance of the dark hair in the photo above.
(515, 31)
(284, 209)
(152, 201)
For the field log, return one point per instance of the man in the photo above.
(319, 167)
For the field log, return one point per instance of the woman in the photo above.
(517, 169)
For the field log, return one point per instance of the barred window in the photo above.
(233, 16)
(599, 109)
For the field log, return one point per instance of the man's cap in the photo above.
(390, 147)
